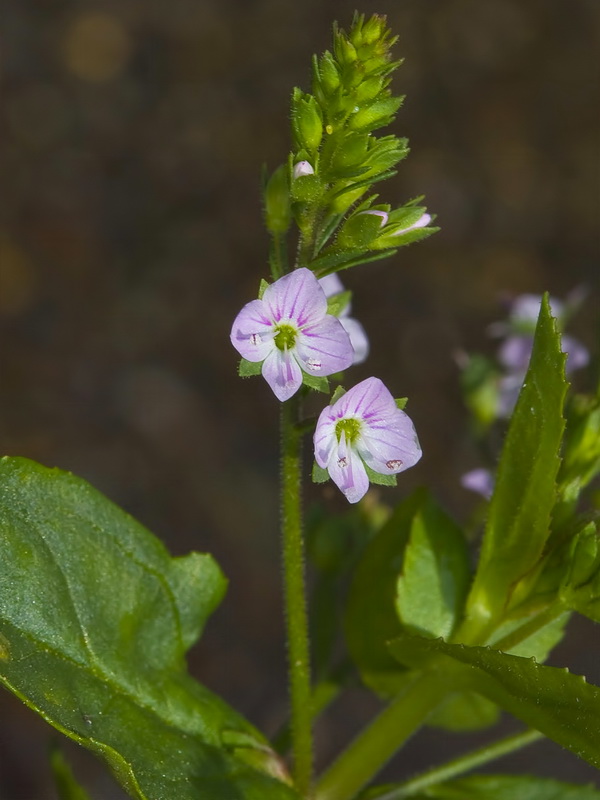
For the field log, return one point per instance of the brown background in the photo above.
(133, 136)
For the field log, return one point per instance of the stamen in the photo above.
(342, 462)
(394, 464)
(314, 364)
(255, 339)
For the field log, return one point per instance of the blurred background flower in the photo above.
(131, 234)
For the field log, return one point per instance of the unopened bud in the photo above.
(302, 168)
(382, 214)
(422, 222)
(306, 121)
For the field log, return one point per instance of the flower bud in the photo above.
(307, 124)
(344, 50)
(361, 229)
(277, 201)
(329, 77)
(376, 114)
(301, 169)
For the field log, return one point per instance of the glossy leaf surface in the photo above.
(519, 514)
(95, 619)
(559, 704)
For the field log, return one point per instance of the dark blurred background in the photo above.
(132, 140)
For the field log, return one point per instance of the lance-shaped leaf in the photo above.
(563, 706)
(95, 619)
(519, 515)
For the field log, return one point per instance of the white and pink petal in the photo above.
(297, 298)
(324, 347)
(282, 372)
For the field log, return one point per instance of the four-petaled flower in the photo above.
(290, 331)
(332, 285)
(364, 427)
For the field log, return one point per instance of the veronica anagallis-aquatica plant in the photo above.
(444, 642)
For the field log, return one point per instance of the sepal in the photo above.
(247, 369)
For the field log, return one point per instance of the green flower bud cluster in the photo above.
(337, 158)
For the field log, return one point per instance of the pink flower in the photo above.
(364, 428)
(332, 285)
(290, 332)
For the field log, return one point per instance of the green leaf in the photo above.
(519, 514)
(510, 787)
(562, 706)
(435, 575)
(264, 285)
(379, 479)
(95, 618)
(465, 711)
(319, 475)
(350, 262)
(338, 303)
(371, 619)
(67, 787)
(580, 590)
(315, 382)
(339, 392)
(248, 369)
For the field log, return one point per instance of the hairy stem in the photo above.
(295, 597)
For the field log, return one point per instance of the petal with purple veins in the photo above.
(252, 332)
(296, 297)
(348, 473)
(358, 338)
(324, 348)
(281, 371)
(391, 446)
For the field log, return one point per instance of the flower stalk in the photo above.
(295, 597)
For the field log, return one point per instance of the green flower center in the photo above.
(285, 338)
(349, 426)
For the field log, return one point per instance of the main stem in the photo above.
(295, 596)
(374, 746)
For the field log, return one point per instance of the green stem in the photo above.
(278, 258)
(541, 620)
(459, 766)
(295, 596)
(374, 746)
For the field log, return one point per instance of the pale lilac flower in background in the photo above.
(364, 427)
(302, 168)
(332, 285)
(290, 331)
(515, 351)
(480, 481)
(422, 222)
